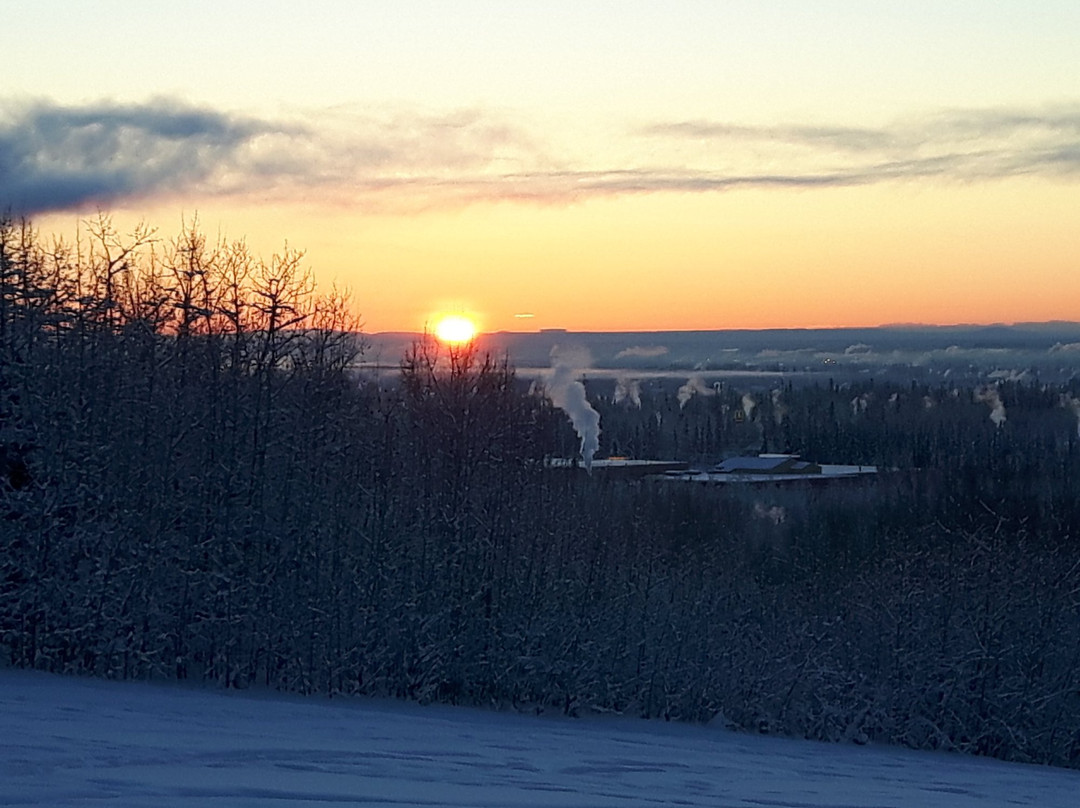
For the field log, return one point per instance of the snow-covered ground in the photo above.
(78, 742)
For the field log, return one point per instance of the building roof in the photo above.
(766, 464)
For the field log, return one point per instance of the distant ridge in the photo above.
(1012, 350)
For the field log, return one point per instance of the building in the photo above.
(771, 468)
(766, 464)
(621, 467)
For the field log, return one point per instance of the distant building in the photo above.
(764, 468)
(771, 468)
(621, 467)
(766, 464)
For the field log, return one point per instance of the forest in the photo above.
(196, 484)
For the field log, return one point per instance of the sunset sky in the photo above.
(596, 165)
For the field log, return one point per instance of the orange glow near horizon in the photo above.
(716, 166)
(855, 257)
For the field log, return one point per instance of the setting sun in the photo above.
(455, 329)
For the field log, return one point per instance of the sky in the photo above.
(79, 741)
(583, 165)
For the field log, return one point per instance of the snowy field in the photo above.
(77, 742)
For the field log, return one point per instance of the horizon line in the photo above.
(881, 326)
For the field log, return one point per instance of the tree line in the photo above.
(196, 483)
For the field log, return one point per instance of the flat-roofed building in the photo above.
(766, 464)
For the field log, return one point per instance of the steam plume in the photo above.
(568, 394)
(627, 389)
(748, 405)
(778, 408)
(989, 395)
(860, 403)
(694, 385)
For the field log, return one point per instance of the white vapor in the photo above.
(568, 394)
(627, 389)
(990, 397)
(748, 405)
(694, 385)
(779, 410)
(642, 352)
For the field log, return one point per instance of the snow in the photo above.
(79, 742)
(829, 471)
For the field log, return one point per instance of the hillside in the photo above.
(74, 741)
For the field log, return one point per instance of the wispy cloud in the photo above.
(642, 352)
(964, 145)
(840, 138)
(54, 157)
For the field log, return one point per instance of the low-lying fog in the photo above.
(1046, 351)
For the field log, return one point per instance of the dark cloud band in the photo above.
(55, 158)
